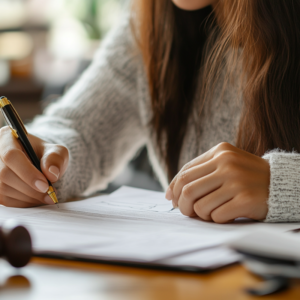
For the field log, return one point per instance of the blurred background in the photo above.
(44, 47)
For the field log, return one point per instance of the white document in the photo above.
(269, 243)
(128, 225)
(205, 259)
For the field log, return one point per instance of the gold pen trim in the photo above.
(14, 133)
(52, 194)
(4, 102)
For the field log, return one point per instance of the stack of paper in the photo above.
(131, 225)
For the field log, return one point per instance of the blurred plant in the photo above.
(109, 13)
(100, 16)
(90, 19)
(97, 16)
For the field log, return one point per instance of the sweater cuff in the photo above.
(284, 190)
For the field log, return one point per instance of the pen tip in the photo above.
(53, 197)
(52, 194)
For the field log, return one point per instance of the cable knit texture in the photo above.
(284, 187)
(104, 120)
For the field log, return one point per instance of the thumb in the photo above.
(54, 161)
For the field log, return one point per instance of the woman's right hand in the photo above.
(21, 184)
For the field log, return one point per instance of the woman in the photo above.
(189, 79)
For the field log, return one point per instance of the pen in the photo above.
(19, 132)
(173, 208)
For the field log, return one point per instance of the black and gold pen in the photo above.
(19, 131)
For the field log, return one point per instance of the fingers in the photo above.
(9, 178)
(196, 190)
(240, 206)
(206, 205)
(9, 192)
(205, 157)
(21, 184)
(54, 162)
(222, 184)
(15, 159)
(231, 210)
(189, 176)
(11, 202)
(198, 160)
(19, 164)
(8, 139)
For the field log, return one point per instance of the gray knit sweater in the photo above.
(104, 120)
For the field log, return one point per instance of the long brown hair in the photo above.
(261, 35)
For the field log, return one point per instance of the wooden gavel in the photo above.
(15, 243)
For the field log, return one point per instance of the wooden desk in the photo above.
(46, 279)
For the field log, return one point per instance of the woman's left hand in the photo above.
(221, 185)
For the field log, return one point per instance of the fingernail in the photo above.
(55, 171)
(42, 186)
(48, 200)
(169, 194)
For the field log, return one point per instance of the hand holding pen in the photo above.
(25, 181)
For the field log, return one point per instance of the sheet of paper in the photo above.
(269, 243)
(130, 224)
(206, 259)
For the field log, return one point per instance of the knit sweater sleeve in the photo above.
(284, 190)
(98, 119)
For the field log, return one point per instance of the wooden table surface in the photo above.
(53, 279)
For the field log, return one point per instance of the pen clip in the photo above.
(18, 117)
